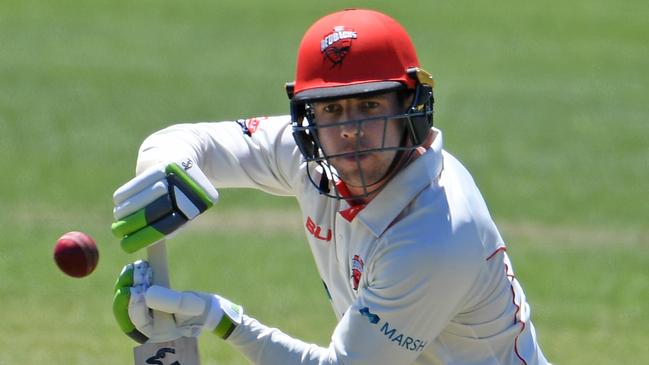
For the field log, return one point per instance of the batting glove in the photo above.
(193, 312)
(154, 204)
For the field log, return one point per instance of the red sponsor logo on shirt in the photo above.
(316, 230)
(357, 271)
(252, 124)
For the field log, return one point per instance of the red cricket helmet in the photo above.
(354, 51)
(348, 54)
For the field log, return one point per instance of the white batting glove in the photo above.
(193, 312)
(156, 203)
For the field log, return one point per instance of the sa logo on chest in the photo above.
(317, 231)
(357, 271)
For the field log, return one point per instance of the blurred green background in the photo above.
(545, 102)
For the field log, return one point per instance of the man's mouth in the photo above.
(353, 156)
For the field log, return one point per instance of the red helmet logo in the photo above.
(337, 44)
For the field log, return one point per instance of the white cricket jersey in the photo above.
(417, 276)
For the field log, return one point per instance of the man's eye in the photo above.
(331, 108)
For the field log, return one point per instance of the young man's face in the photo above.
(357, 147)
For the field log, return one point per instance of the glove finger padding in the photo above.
(195, 312)
(129, 305)
(158, 202)
(148, 194)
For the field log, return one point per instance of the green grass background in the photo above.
(545, 102)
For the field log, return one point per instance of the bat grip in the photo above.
(164, 328)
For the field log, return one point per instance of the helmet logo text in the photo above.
(337, 44)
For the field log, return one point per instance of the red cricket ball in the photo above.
(76, 254)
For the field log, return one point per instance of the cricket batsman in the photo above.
(413, 264)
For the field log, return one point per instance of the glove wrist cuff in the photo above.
(230, 319)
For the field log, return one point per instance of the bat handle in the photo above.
(157, 256)
(163, 323)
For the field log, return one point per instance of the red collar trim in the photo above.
(355, 207)
(350, 213)
(344, 193)
(343, 190)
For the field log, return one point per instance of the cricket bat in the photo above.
(162, 348)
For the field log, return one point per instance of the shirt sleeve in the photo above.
(254, 153)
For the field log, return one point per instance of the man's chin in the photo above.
(350, 174)
(355, 180)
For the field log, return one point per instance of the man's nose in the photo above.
(352, 128)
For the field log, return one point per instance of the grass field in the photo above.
(546, 103)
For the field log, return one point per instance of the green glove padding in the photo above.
(153, 205)
(121, 301)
